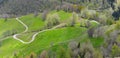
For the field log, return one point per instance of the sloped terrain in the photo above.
(42, 40)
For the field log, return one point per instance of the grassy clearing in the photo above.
(10, 26)
(33, 23)
(42, 41)
(26, 36)
(54, 36)
(97, 42)
(9, 46)
(63, 15)
(45, 39)
(36, 23)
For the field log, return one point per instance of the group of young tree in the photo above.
(22, 7)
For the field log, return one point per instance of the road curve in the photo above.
(15, 36)
(33, 37)
(26, 29)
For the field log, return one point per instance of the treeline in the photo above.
(11, 8)
(74, 50)
(22, 7)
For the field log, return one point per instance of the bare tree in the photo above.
(36, 13)
(44, 54)
(44, 14)
(73, 19)
(5, 16)
(90, 32)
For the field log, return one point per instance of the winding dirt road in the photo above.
(26, 29)
(34, 36)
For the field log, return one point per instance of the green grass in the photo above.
(11, 25)
(84, 21)
(62, 14)
(59, 35)
(9, 46)
(97, 42)
(33, 23)
(36, 23)
(26, 36)
(42, 41)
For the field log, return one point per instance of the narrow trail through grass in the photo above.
(26, 29)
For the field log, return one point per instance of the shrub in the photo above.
(100, 32)
(116, 14)
(113, 35)
(73, 19)
(68, 7)
(44, 14)
(74, 49)
(15, 55)
(32, 55)
(52, 20)
(88, 14)
(90, 32)
(115, 51)
(88, 24)
(82, 22)
(102, 19)
(98, 54)
(109, 30)
(51, 53)
(44, 54)
(117, 26)
(61, 53)
(68, 53)
(5, 16)
(83, 50)
(72, 45)
(86, 50)
(109, 21)
(36, 14)
(118, 39)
